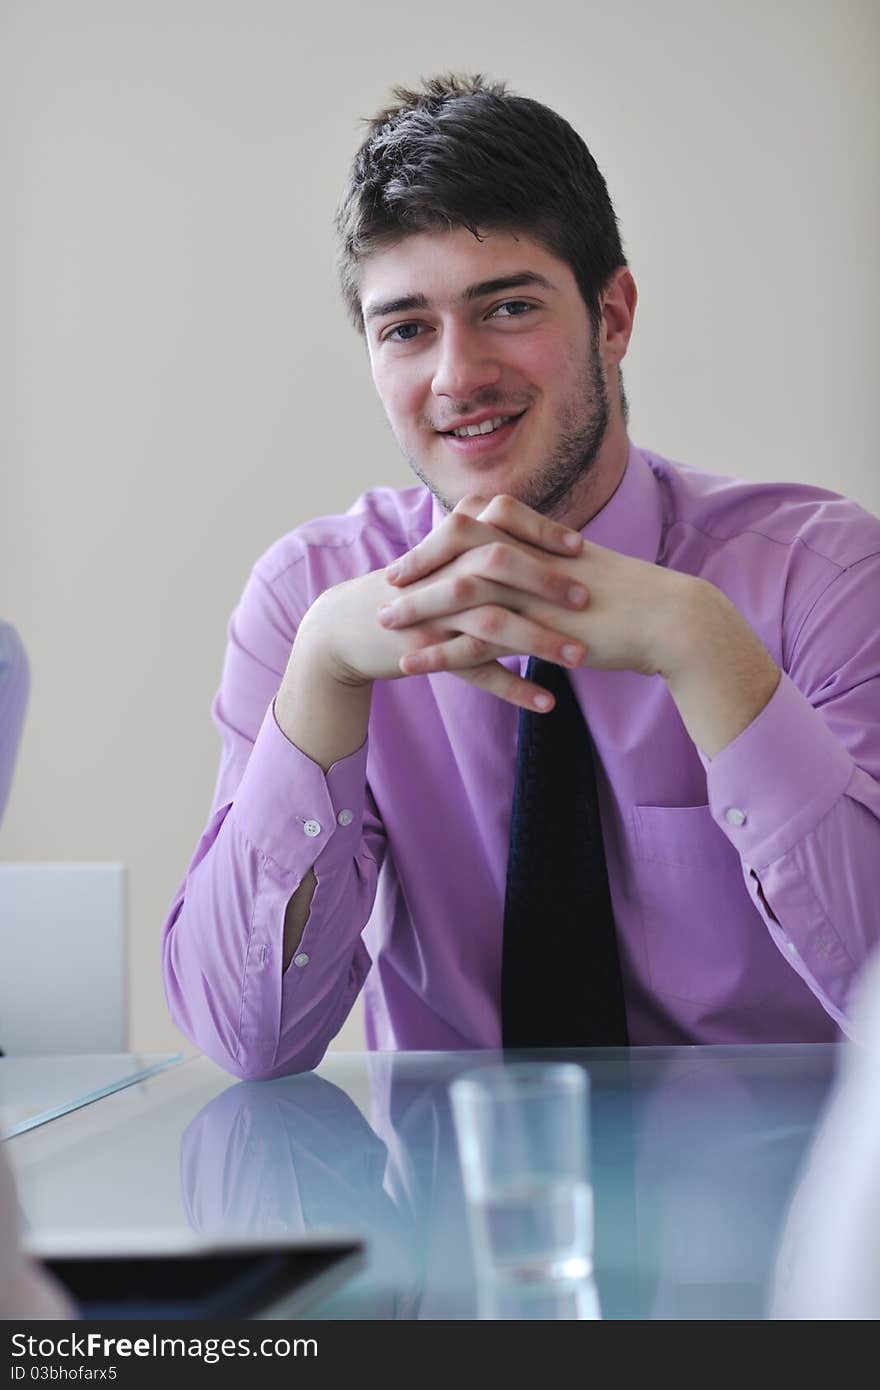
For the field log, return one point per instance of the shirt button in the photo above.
(345, 818)
(792, 949)
(312, 828)
(734, 816)
(301, 960)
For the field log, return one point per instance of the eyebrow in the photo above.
(519, 280)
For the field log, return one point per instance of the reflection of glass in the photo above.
(558, 1300)
(523, 1140)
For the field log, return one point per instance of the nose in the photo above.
(463, 366)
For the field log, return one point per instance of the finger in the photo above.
(508, 514)
(459, 532)
(467, 527)
(505, 576)
(480, 630)
(506, 685)
(471, 505)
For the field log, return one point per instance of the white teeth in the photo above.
(486, 427)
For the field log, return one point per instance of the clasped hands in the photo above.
(498, 579)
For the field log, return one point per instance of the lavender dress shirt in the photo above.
(746, 888)
(14, 688)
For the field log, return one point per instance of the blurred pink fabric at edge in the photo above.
(26, 1291)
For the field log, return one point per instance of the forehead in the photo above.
(441, 265)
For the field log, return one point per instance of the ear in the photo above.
(618, 306)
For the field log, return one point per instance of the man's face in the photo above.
(463, 332)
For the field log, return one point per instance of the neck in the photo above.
(591, 494)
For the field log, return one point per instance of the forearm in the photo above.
(323, 715)
(327, 720)
(719, 674)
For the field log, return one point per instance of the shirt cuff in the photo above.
(777, 779)
(290, 811)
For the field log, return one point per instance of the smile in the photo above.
(488, 436)
(486, 427)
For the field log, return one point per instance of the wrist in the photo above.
(317, 647)
(688, 611)
(326, 717)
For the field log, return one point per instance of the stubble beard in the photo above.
(582, 431)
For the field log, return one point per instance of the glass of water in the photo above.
(523, 1141)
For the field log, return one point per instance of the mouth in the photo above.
(482, 438)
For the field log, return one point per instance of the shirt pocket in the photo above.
(694, 906)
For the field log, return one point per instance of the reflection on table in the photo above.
(694, 1155)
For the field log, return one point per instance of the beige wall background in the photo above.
(180, 385)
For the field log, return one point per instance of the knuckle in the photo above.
(495, 508)
(459, 523)
(468, 504)
(490, 621)
(496, 557)
(486, 676)
(463, 589)
(476, 647)
(505, 507)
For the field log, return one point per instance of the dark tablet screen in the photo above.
(200, 1285)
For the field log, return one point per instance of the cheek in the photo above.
(544, 362)
(399, 396)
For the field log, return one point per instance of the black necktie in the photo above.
(560, 978)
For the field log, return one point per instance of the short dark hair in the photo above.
(466, 152)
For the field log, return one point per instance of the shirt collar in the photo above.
(631, 520)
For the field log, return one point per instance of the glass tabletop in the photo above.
(34, 1090)
(696, 1155)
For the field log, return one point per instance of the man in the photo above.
(720, 639)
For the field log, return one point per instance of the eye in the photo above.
(516, 309)
(407, 332)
